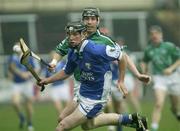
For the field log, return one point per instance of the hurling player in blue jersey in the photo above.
(22, 86)
(93, 61)
(91, 18)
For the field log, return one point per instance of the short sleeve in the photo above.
(62, 48)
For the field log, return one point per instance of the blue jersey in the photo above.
(93, 61)
(59, 66)
(15, 59)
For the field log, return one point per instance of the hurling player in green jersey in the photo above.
(91, 17)
(165, 59)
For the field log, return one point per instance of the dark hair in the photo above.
(76, 26)
(156, 28)
(91, 11)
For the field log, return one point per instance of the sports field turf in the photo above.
(45, 118)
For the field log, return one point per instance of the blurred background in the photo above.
(41, 23)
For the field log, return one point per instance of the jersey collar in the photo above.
(97, 33)
(83, 45)
(157, 45)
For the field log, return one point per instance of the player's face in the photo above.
(74, 39)
(91, 22)
(155, 36)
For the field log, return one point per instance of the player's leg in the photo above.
(64, 94)
(159, 102)
(97, 119)
(70, 107)
(28, 93)
(174, 91)
(118, 103)
(16, 101)
(175, 105)
(130, 84)
(109, 109)
(29, 109)
(58, 105)
(160, 89)
(72, 104)
(71, 121)
(103, 119)
(55, 93)
(135, 101)
(120, 107)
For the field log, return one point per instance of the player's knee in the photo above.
(87, 125)
(159, 105)
(15, 102)
(60, 119)
(62, 126)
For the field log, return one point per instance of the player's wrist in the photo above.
(53, 62)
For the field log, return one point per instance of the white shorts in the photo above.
(129, 83)
(26, 88)
(169, 83)
(60, 92)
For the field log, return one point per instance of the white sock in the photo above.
(154, 126)
(111, 128)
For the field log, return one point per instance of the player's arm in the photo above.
(15, 70)
(57, 55)
(55, 58)
(116, 53)
(61, 75)
(130, 64)
(58, 76)
(145, 61)
(144, 67)
(122, 69)
(132, 67)
(173, 67)
(176, 55)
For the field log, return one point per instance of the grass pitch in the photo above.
(45, 118)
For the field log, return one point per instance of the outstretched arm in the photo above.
(131, 66)
(173, 67)
(24, 75)
(122, 70)
(58, 76)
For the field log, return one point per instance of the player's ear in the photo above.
(84, 33)
(98, 21)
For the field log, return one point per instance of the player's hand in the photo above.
(144, 78)
(40, 87)
(26, 75)
(43, 82)
(121, 86)
(51, 67)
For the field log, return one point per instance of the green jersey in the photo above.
(63, 47)
(161, 56)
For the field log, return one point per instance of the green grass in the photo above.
(45, 118)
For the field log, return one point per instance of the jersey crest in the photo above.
(88, 66)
